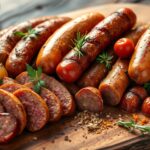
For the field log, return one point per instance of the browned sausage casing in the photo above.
(57, 46)
(9, 39)
(139, 67)
(27, 48)
(146, 106)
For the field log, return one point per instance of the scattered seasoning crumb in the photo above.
(35, 138)
(53, 141)
(66, 138)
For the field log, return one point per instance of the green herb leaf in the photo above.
(20, 34)
(105, 58)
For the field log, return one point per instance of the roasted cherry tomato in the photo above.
(124, 47)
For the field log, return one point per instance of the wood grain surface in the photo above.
(53, 136)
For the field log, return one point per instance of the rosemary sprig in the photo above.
(131, 126)
(147, 87)
(78, 43)
(31, 33)
(35, 78)
(105, 58)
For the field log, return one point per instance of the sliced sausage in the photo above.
(8, 127)
(9, 39)
(36, 108)
(133, 98)
(27, 48)
(52, 101)
(146, 106)
(114, 85)
(112, 27)
(89, 98)
(57, 46)
(55, 86)
(139, 68)
(13, 106)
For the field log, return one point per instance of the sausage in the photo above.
(52, 101)
(72, 66)
(13, 106)
(9, 125)
(55, 86)
(27, 48)
(1, 108)
(36, 108)
(59, 44)
(139, 68)
(9, 39)
(8, 80)
(3, 31)
(133, 98)
(94, 75)
(115, 83)
(146, 106)
(89, 98)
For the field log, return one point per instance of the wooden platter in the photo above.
(66, 135)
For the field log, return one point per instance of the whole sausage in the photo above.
(94, 75)
(27, 48)
(115, 83)
(146, 106)
(89, 98)
(55, 86)
(139, 68)
(36, 108)
(9, 39)
(3, 31)
(73, 65)
(59, 44)
(13, 106)
(52, 101)
(133, 98)
(9, 125)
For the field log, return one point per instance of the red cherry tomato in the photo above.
(124, 47)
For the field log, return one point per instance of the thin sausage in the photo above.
(112, 27)
(59, 44)
(27, 48)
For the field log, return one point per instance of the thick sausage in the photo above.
(89, 98)
(36, 108)
(27, 48)
(112, 27)
(9, 39)
(115, 83)
(13, 106)
(55, 86)
(94, 75)
(146, 106)
(8, 127)
(52, 101)
(133, 98)
(8, 80)
(139, 68)
(3, 31)
(61, 41)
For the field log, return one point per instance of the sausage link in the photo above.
(146, 106)
(59, 44)
(112, 27)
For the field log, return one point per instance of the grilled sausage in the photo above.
(52, 101)
(139, 68)
(27, 48)
(36, 108)
(133, 98)
(9, 39)
(94, 75)
(55, 86)
(9, 125)
(146, 106)
(13, 106)
(115, 83)
(72, 66)
(3, 31)
(89, 98)
(59, 44)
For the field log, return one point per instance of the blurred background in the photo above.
(14, 11)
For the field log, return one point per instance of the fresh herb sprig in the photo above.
(78, 43)
(35, 78)
(132, 125)
(147, 87)
(31, 33)
(105, 59)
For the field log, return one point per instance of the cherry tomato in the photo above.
(124, 47)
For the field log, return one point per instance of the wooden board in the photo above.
(53, 136)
